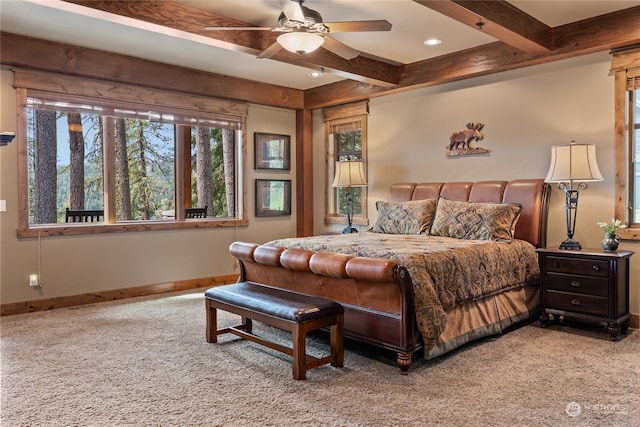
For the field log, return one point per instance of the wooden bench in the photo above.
(293, 312)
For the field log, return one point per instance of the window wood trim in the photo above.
(357, 111)
(119, 93)
(621, 63)
(29, 83)
(347, 110)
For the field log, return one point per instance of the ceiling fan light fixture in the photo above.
(317, 73)
(300, 42)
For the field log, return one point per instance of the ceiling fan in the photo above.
(303, 31)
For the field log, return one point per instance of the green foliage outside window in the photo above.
(144, 166)
(635, 132)
(348, 147)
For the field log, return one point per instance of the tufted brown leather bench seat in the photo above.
(293, 312)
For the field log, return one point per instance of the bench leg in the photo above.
(212, 322)
(336, 339)
(299, 364)
(248, 324)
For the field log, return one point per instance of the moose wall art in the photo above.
(460, 141)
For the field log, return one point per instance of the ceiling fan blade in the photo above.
(270, 51)
(339, 48)
(238, 28)
(293, 11)
(353, 26)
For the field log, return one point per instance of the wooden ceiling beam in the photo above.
(192, 20)
(598, 34)
(37, 54)
(609, 31)
(499, 19)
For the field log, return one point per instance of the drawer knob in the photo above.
(576, 284)
(595, 267)
(575, 301)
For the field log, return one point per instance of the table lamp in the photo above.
(349, 173)
(572, 166)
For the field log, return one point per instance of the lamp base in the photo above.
(571, 244)
(349, 229)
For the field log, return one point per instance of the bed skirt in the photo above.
(486, 317)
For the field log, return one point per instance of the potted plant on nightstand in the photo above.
(611, 238)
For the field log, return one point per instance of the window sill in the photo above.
(73, 229)
(632, 233)
(341, 219)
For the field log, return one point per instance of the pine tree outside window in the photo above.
(346, 139)
(148, 161)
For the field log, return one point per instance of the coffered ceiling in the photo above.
(512, 34)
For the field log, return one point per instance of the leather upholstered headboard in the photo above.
(532, 194)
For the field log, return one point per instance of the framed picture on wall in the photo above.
(272, 151)
(273, 197)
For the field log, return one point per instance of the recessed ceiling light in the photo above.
(432, 42)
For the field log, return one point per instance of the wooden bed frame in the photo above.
(376, 293)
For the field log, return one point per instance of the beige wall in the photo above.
(73, 265)
(525, 112)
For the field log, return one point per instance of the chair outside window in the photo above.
(84, 215)
(195, 212)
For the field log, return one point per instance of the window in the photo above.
(346, 139)
(213, 179)
(626, 68)
(140, 158)
(634, 140)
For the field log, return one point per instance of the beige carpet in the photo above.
(144, 362)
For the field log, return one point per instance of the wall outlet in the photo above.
(33, 280)
(3, 205)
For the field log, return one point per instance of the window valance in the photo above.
(83, 94)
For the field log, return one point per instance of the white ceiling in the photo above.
(412, 23)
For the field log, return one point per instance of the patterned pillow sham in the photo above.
(413, 217)
(476, 221)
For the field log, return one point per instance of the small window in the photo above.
(346, 139)
(634, 126)
(627, 140)
(64, 161)
(145, 179)
(347, 143)
(213, 177)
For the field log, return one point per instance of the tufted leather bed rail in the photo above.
(377, 294)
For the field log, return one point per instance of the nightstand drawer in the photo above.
(587, 284)
(583, 304)
(577, 284)
(588, 267)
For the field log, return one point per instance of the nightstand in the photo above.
(588, 284)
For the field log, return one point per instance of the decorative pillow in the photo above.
(476, 221)
(412, 217)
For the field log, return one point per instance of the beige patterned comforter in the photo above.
(445, 272)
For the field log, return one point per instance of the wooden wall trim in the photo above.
(304, 173)
(37, 54)
(118, 294)
(139, 291)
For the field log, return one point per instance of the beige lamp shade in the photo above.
(573, 162)
(300, 42)
(349, 174)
